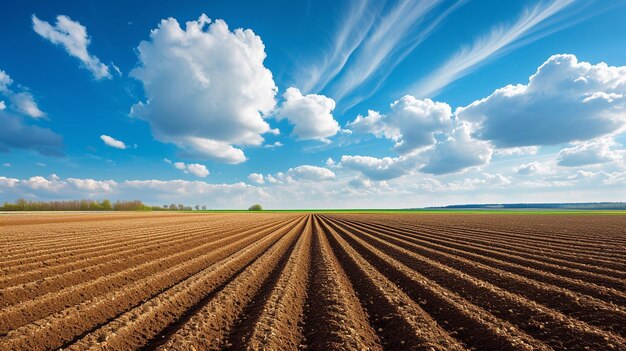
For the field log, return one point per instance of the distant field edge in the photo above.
(438, 211)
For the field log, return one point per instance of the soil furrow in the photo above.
(162, 315)
(593, 311)
(401, 322)
(600, 292)
(210, 327)
(559, 331)
(278, 326)
(185, 263)
(334, 317)
(84, 270)
(610, 268)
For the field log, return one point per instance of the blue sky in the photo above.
(314, 104)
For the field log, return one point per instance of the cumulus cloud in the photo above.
(72, 36)
(25, 103)
(14, 134)
(22, 102)
(301, 175)
(311, 115)
(92, 185)
(206, 87)
(56, 187)
(378, 168)
(5, 81)
(112, 142)
(564, 101)
(192, 168)
(457, 152)
(197, 169)
(310, 173)
(237, 195)
(256, 178)
(533, 168)
(590, 152)
(274, 145)
(152, 191)
(517, 151)
(485, 180)
(412, 123)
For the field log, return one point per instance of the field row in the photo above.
(320, 282)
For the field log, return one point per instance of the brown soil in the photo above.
(275, 281)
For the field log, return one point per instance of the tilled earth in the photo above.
(292, 281)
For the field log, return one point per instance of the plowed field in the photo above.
(289, 281)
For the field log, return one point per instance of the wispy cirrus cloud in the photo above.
(396, 34)
(373, 39)
(72, 36)
(355, 26)
(531, 25)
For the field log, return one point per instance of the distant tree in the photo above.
(255, 207)
(173, 207)
(197, 207)
(204, 208)
(181, 207)
(106, 205)
(21, 204)
(165, 207)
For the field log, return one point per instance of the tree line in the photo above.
(102, 205)
(89, 205)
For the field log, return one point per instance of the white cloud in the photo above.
(310, 173)
(271, 179)
(256, 178)
(7, 183)
(497, 41)
(39, 182)
(485, 180)
(22, 102)
(351, 32)
(517, 151)
(533, 168)
(6, 164)
(72, 36)
(198, 170)
(396, 30)
(561, 103)
(237, 195)
(311, 115)
(276, 144)
(112, 142)
(151, 191)
(194, 168)
(345, 190)
(378, 168)
(411, 123)
(590, 152)
(206, 88)
(25, 103)
(5, 81)
(457, 152)
(91, 185)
